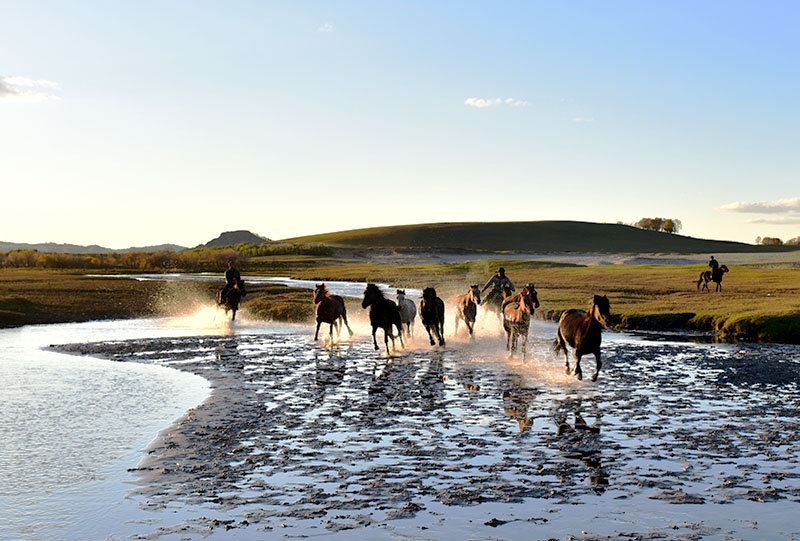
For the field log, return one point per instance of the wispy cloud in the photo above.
(326, 28)
(482, 103)
(785, 220)
(583, 119)
(25, 89)
(790, 205)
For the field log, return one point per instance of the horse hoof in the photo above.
(433, 343)
(594, 378)
(579, 375)
(377, 348)
(568, 371)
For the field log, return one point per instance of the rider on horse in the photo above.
(498, 283)
(714, 265)
(232, 276)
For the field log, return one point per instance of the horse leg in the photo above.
(316, 334)
(386, 335)
(330, 333)
(347, 324)
(578, 371)
(598, 364)
(455, 329)
(441, 333)
(375, 340)
(471, 329)
(400, 335)
(525, 344)
(233, 317)
(430, 337)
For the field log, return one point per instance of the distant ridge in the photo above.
(531, 237)
(54, 247)
(231, 238)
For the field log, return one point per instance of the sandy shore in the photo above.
(300, 440)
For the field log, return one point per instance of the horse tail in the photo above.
(700, 280)
(559, 344)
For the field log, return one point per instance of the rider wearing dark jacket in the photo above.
(231, 275)
(498, 282)
(713, 263)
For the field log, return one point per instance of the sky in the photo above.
(137, 123)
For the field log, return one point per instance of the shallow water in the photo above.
(678, 440)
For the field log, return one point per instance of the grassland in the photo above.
(758, 303)
(531, 237)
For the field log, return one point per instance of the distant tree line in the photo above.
(198, 259)
(667, 225)
(775, 241)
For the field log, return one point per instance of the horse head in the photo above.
(320, 292)
(724, 268)
(371, 295)
(601, 310)
(475, 293)
(401, 295)
(532, 294)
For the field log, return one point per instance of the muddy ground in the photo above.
(674, 441)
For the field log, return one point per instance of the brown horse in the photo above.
(330, 309)
(517, 312)
(383, 314)
(431, 311)
(584, 332)
(495, 305)
(708, 276)
(467, 309)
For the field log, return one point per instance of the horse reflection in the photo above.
(329, 373)
(580, 440)
(516, 402)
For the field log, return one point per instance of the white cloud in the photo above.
(326, 28)
(583, 119)
(482, 103)
(25, 89)
(786, 220)
(790, 205)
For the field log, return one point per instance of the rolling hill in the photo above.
(231, 238)
(541, 236)
(54, 247)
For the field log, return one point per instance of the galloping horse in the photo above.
(716, 277)
(467, 308)
(408, 312)
(517, 312)
(232, 299)
(383, 313)
(431, 311)
(584, 332)
(330, 309)
(494, 303)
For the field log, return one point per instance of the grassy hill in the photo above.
(543, 236)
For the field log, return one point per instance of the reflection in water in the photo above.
(517, 400)
(580, 440)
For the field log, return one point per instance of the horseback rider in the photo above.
(232, 276)
(498, 283)
(714, 265)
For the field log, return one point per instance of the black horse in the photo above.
(383, 314)
(431, 311)
(230, 302)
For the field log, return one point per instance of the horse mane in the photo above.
(375, 289)
(428, 292)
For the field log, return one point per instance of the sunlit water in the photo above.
(325, 440)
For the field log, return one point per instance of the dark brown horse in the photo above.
(709, 276)
(431, 311)
(517, 312)
(494, 303)
(467, 309)
(584, 332)
(330, 309)
(383, 314)
(232, 299)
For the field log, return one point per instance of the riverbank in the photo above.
(759, 303)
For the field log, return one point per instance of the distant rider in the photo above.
(231, 276)
(498, 283)
(714, 265)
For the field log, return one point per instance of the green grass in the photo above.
(542, 236)
(757, 304)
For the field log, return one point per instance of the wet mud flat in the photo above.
(674, 441)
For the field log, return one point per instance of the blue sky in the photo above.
(146, 122)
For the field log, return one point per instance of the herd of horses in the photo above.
(578, 329)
